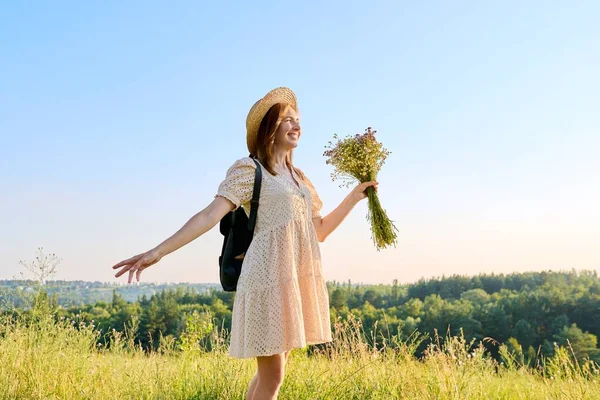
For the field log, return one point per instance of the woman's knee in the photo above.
(271, 371)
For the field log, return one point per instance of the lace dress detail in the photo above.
(281, 300)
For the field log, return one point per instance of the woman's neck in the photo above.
(279, 158)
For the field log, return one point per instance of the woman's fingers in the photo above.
(138, 273)
(136, 268)
(361, 189)
(135, 265)
(365, 185)
(130, 276)
(131, 271)
(121, 272)
(128, 261)
(127, 264)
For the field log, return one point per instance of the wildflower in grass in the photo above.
(360, 158)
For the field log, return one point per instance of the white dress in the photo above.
(281, 300)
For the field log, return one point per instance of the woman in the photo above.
(281, 301)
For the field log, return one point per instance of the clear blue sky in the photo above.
(118, 121)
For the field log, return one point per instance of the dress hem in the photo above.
(283, 349)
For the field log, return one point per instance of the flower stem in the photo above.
(383, 230)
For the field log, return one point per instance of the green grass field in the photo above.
(41, 358)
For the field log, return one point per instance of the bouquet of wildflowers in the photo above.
(359, 158)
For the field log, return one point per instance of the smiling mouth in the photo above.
(293, 135)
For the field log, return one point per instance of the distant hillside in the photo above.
(76, 293)
(531, 312)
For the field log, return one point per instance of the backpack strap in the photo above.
(255, 197)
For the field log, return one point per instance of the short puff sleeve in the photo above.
(317, 204)
(238, 184)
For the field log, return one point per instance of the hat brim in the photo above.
(259, 109)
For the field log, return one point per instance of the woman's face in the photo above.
(288, 133)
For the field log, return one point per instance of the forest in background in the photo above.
(531, 313)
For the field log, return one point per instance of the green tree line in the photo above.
(532, 313)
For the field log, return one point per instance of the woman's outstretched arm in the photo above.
(196, 226)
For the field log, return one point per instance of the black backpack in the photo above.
(238, 231)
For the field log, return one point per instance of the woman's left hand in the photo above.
(359, 192)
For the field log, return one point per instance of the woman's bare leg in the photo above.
(252, 388)
(254, 382)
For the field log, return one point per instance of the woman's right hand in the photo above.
(360, 191)
(137, 264)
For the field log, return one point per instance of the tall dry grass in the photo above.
(45, 358)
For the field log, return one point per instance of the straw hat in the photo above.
(260, 108)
